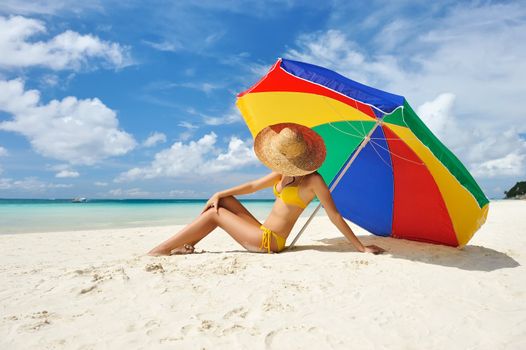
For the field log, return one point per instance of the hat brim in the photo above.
(305, 163)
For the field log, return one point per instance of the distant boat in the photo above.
(79, 200)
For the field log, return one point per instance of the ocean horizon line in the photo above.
(129, 199)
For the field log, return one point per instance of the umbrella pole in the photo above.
(335, 183)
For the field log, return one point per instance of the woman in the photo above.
(293, 152)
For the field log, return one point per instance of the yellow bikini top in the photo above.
(290, 195)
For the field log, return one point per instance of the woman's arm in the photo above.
(324, 195)
(246, 188)
(252, 186)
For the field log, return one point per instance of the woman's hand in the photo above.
(213, 202)
(373, 249)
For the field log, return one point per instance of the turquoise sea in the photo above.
(43, 215)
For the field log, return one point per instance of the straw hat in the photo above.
(290, 149)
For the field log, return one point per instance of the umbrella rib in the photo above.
(346, 133)
(363, 129)
(361, 122)
(325, 99)
(382, 158)
(355, 128)
(396, 155)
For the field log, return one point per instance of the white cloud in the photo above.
(182, 193)
(67, 173)
(49, 80)
(238, 154)
(169, 46)
(186, 135)
(214, 37)
(30, 184)
(154, 138)
(393, 34)
(232, 116)
(77, 131)
(187, 125)
(332, 49)
(56, 81)
(488, 152)
(100, 183)
(132, 192)
(67, 50)
(257, 70)
(437, 113)
(512, 164)
(205, 87)
(190, 128)
(194, 158)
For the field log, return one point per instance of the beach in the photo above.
(95, 289)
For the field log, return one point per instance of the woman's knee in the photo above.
(210, 215)
(214, 214)
(226, 200)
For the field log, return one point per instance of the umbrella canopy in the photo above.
(386, 170)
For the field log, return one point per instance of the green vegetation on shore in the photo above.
(517, 191)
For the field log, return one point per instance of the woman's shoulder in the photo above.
(316, 183)
(314, 175)
(314, 178)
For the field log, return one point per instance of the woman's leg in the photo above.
(193, 232)
(206, 223)
(246, 233)
(233, 205)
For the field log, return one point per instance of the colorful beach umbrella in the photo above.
(386, 170)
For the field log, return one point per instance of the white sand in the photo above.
(96, 289)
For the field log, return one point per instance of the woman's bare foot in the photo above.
(157, 253)
(185, 249)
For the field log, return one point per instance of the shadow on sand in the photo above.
(471, 257)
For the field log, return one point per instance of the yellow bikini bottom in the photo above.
(267, 236)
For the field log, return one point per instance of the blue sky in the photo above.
(119, 99)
